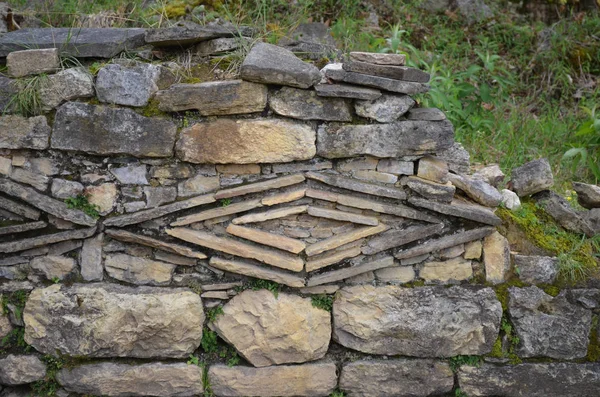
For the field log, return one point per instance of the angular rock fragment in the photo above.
(90, 259)
(428, 114)
(66, 85)
(40, 182)
(347, 91)
(140, 271)
(33, 242)
(531, 177)
(496, 258)
(536, 269)
(129, 85)
(23, 227)
(131, 174)
(276, 213)
(336, 73)
(272, 240)
(320, 261)
(307, 105)
(588, 196)
(460, 209)
(445, 242)
(285, 197)
(395, 275)
(398, 237)
(440, 192)
(459, 160)
(433, 169)
(24, 133)
(510, 200)
(396, 167)
(473, 250)
(560, 209)
(220, 45)
(260, 272)
(357, 185)
(388, 71)
(53, 267)
(129, 237)
(349, 272)
(21, 369)
(452, 270)
(385, 109)
(344, 238)
(190, 33)
(491, 174)
(342, 216)
(378, 58)
(217, 212)
(375, 176)
(31, 62)
(480, 191)
(103, 197)
(64, 189)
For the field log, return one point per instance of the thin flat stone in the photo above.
(260, 186)
(328, 259)
(284, 197)
(460, 209)
(396, 238)
(343, 239)
(341, 274)
(24, 227)
(25, 244)
(271, 214)
(441, 192)
(357, 186)
(428, 114)
(237, 248)
(217, 212)
(223, 295)
(45, 203)
(129, 237)
(90, 259)
(272, 240)
(347, 91)
(312, 165)
(221, 286)
(187, 34)
(13, 260)
(378, 58)
(320, 289)
(142, 216)
(356, 202)
(174, 258)
(389, 71)
(342, 216)
(250, 270)
(401, 87)
(445, 242)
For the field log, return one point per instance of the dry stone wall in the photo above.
(296, 231)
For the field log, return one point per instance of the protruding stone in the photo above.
(260, 272)
(459, 160)
(270, 64)
(510, 200)
(347, 91)
(66, 85)
(190, 33)
(336, 73)
(453, 270)
(53, 267)
(246, 142)
(491, 174)
(385, 109)
(496, 258)
(426, 114)
(351, 272)
(378, 58)
(560, 209)
(220, 46)
(140, 271)
(445, 242)
(441, 192)
(265, 238)
(307, 105)
(20, 370)
(461, 209)
(24, 133)
(108, 320)
(536, 269)
(388, 71)
(31, 62)
(290, 330)
(531, 177)
(103, 196)
(121, 380)
(433, 169)
(480, 191)
(129, 85)
(588, 196)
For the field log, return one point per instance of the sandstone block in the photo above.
(24, 133)
(307, 105)
(35, 61)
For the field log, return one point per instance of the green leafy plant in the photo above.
(337, 393)
(194, 360)
(459, 393)
(234, 359)
(225, 202)
(209, 341)
(82, 203)
(322, 301)
(27, 101)
(214, 312)
(272, 286)
(458, 361)
(49, 385)
(586, 144)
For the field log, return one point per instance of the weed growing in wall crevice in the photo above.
(49, 385)
(82, 203)
(323, 301)
(258, 284)
(458, 361)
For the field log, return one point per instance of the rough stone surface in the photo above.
(66, 85)
(378, 59)
(547, 326)
(358, 185)
(442, 192)
(90, 259)
(336, 73)
(187, 33)
(385, 109)
(428, 114)
(474, 10)
(307, 105)
(400, 138)
(588, 196)
(398, 237)
(400, 378)
(308, 380)
(34, 242)
(246, 142)
(103, 196)
(388, 71)
(510, 200)
(219, 46)
(452, 270)
(473, 250)
(8, 89)
(156, 196)
(131, 174)
(531, 177)
(140, 271)
(31, 62)
(267, 330)
(536, 269)
(214, 98)
(398, 274)
(496, 258)
(459, 208)
(270, 64)
(491, 174)
(198, 185)
(347, 91)
(101, 320)
(459, 160)
(24, 133)
(460, 321)
(64, 189)
(40, 182)
(480, 191)
(120, 380)
(531, 380)
(53, 266)
(592, 217)
(127, 85)
(20, 370)
(560, 209)
(396, 167)
(104, 130)
(256, 271)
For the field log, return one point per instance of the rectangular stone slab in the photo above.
(76, 42)
(45, 203)
(400, 87)
(284, 197)
(270, 214)
(396, 238)
(347, 91)
(142, 216)
(24, 227)
(357, 185)
(272, 240)
(19, 209)
(269, 184)
(445, 242)
(129, 237)
(344, 238)
(378, 58)
(237, 248)
(187, 35)
(342, 216)
(459, 209)
(342, 274)
(33, 242)
(251, 270)
(334, 257)
(221, 286)
(218, 212)
(389, 71)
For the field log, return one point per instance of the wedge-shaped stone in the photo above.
(320, 289)
(142, 216)
(400, 138)
(357, 185)
(214, 97)
(342, 216)
(480, 191)
(121, 380)
(399, 378)
(318, 262)
(24, 133)
(453, 270)
(378, 59)
(336, 73)
(531, 380)
(265, 238)
(221, 286)
(251, 270)
(253, 141)
(218, 212)
(307, 380)
(459, 209)
(349, 272)
(24, 227)
(432, 190)
(108, 320)
(237, 248)
(396, 238)
(269, 184)
(105, 130)
(33, 242)
(357, 202)
(445, 242)
(461, 321)
(285, 197)
(532, 177)
(344, 238)
(562, 212)
(588, 196)
(19, 209)
(389, 71)
(270, 214)
(140, 271)
(347, 91)
(307, 105)
(129, 237)
(290, 330)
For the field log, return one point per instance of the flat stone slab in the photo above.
(246, 142)
(388, 71)
(349, 272)
(32, 62)
(459, 209)
(138, 270)
(398, 237)
(445, 242)
(357, 185)
(347, 91)
(307, 105)
(154, 322)
(342, 216)
(435, 321)
(276, 213)
(480, 191)
(385, 109)
(121, 380)
(307, 380)
(438, 192)
(344, 238)
(261, 186)
(33, 242)
(446, 272)
(336, 73)
(75, 42)
(588, 196)
(272, 240)
(129, 237)
(231, 209)
(531, 380)
(104, 130)
(531, 178)
(261, 272)
(188, 34)
(400, 378)
(400, 138)
(24, 133)
(23, 227)
(378, 58)
(330, 258)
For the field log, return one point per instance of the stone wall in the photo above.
(292, 232)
